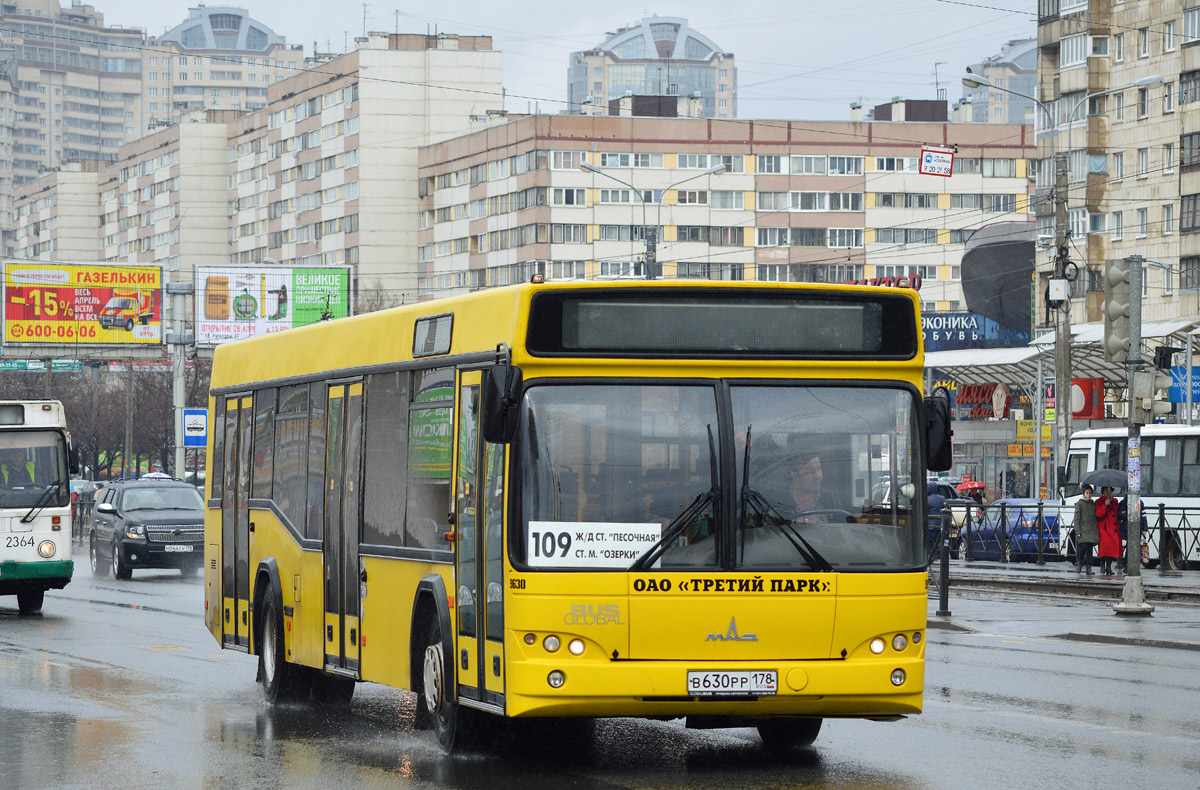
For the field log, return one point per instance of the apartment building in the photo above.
(218, 58)
(1014, 67)
(78, 84)
(326, 174)
(1122, 83)
(658, 56)
(814, 201)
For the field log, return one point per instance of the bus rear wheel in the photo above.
(452, 723)
(281, 681)
(1172, 558)
(786, 734)
(29, 600)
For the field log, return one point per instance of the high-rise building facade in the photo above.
(659, 56)
(1014, 68)
(813, 201)
(219, 58)
(1122, 82)
(324, 175)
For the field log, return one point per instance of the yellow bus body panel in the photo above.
(387, 615)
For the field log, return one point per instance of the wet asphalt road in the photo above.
(118, 685)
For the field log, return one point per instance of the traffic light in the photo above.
(1147, 408)
(1116, 310)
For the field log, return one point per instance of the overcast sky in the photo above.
(796, 59)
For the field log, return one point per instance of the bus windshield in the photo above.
(30, 462)
(625, 476)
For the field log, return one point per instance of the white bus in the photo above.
(35, 501)
(1170, 485)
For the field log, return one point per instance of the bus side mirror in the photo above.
(501, 397)
(938, 435)
(73, 459)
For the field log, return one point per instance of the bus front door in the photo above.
(343, 455)
(478, 556)
(235, 523)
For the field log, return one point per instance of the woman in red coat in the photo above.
(1109, 547)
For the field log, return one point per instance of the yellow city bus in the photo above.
(583, 500)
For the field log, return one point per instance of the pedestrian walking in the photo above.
(1109, 545)
(935, 506)
(1087, 532)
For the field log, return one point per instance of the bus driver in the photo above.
(14, 468)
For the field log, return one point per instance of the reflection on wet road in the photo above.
(118, 685)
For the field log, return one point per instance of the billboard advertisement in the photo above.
(236, 302)
(956, 331)
(77, 303)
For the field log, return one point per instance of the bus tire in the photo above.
(99, 567)
(452, 723)
(29, 600)
(784, 734)
(119, 568)
(332, 690)
(281, 680)
(1172, 558)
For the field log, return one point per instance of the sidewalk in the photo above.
(1054, 602)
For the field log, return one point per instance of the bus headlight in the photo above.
(556, 679)
(899, 642)
(551, 643)
(46, 548)
(877, 645)
(576, 647)
(898, 677)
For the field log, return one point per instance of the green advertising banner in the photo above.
(236, 302)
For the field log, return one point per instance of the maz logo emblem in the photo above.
(732, 635)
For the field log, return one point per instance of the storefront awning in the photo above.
(1017, 367)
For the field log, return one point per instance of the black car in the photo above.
(147, 523)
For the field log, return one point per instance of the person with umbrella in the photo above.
(1109, 544)
(972, 489)
(1087, 532)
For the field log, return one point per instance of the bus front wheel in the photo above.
(29, 600)
(451, 722)
(786, 734)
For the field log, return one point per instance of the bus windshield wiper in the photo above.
(765, 515)
(681, 522)
(41, 503)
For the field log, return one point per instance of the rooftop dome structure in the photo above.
(222, 27)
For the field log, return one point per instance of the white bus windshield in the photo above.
(30, 462)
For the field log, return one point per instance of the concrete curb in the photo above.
(1111, 589)
(1137, 641)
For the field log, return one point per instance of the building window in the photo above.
(1189, 151)
(1097, 223)
(1169, 36)
(1189, 214)
(846, 165)
(1073, 50)
(1077, 219)
(1189, 86)
(1143, 162)
(1191, 25)
(1143, 222)
(1144, 43)
(1168, 220)
(1119, 47)
(1118, 166)
(1118, 225)
(1189, 273)
(1168, 97)
(1143, 100)
(769, 164)
(1118, 106)
(845, 237)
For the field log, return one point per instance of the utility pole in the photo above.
(178, 340)
(128, 419)
(1062, 331)
(1133, 596)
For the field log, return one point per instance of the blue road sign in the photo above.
(195, 427)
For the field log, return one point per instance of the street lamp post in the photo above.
(651, 235)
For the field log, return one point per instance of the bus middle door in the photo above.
(235, 522)
(342, 495)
